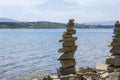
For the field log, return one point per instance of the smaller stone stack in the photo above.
(67, 51)
(113, 60)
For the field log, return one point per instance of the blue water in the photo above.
(23, 52)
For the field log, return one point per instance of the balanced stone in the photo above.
(69, 55)
(113, 60)
(114, 43)
(117, 29)
(69, 28)
(66, 35)
(67, 49)
(117, 32)
(68, 43)
(68, 63)
(117, 24)
(62, 71)
(71, 23)
(115, 50)
(117, 40)
(71, 32)
(69, 39)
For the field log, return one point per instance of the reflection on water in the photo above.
(25, 52)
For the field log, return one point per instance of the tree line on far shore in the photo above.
(48, 25)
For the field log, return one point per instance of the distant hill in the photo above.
(101, 23)
(6, 23)
(31, 25)
(7, 20)
(48, 25)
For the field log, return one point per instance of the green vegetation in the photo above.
(46, 25)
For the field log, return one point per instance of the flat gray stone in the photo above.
(70, 28)
(66, 36)
(68, 43)
(71, 32)
(116, 32)
(67, 49)
(115, 50)
(113, 69)
(101, 66)
(68, 63)
(62, 71)
(69, 55)
(69, 39)
(116, 29)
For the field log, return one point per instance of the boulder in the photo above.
(113, 60)
(68, 63)
(69, 55)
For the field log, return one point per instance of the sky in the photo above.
(60, 10)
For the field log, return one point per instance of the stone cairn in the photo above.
(66, 58)
(113, 60)
(67, 51)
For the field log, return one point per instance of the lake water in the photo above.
(24, 52)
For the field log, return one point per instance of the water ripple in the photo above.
(24, 52)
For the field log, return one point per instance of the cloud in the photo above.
(11, 3)
(81, 2)
(60, 11)
(18, 8)
(93, 3)
(96, 10)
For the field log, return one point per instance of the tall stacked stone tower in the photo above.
(113, 60)
(67, 51)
